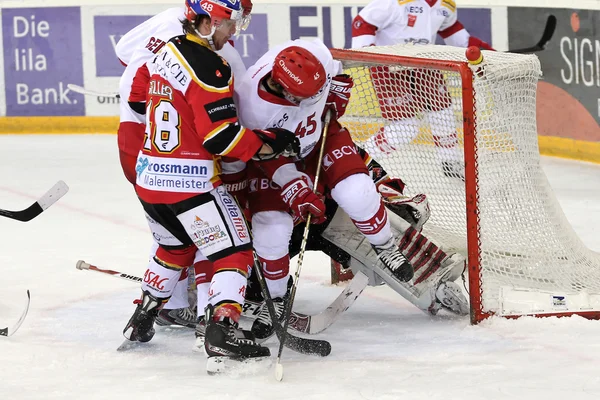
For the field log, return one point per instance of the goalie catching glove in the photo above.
(302, 200)
(339, 95)
(277, 142)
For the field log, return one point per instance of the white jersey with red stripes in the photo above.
(141, 43)
(390, 22)
(259, 109)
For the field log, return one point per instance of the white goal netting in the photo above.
(410, 118)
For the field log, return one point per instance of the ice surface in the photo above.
(383, 348)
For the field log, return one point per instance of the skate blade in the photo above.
(199, 346)
(129, 345)
(225, 365)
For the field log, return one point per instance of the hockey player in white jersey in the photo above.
(134, 50)
(291, 87)
(414, 91)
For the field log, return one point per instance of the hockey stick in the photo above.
(56, 192)
(303, 323)
(301, 345)
(88, 92)
(81, 265)
(546, 36)
(9, 332)
(313, 324)
(288, 309)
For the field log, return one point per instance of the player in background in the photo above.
(292, 87)
(413, 91)
(134, 49)
(191, 122)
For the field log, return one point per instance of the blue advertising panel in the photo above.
(42, 54)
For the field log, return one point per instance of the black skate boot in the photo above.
(391, 256)
(201, 331)
(224, 346)
(181, 316)
(140, 327)
(263, 328)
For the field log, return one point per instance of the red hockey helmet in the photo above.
(299, 72)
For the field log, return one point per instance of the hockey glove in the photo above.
(281, 142)
(474, 41)
(339, 95)
(302, 200)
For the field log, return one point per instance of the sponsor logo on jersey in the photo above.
(221, 110)
(281, 121)
(206, 235)
(416, 41)
(374, 225)
(346, 150)
(415, 9)
(412, 19)
(154, 280)
(236, 216)
(327, 162)
(174, 174)
(257, 184)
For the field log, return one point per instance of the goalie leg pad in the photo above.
(432, 265)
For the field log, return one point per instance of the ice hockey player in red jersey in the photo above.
(134, 49)
(289, 87)
(391, 22)
(191, 121)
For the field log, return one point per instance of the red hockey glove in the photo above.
(339, 95)
(473, 41)
(302, 200)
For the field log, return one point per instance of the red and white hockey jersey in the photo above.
(191, 120)
(390, 22)
(258, 109)
(141, 43)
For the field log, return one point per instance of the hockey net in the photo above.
(419, 109)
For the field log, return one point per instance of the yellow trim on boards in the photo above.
(549, 146)
(58, 125)
(569, 148)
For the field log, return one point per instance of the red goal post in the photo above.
(414, 108)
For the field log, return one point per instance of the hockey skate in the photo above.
(263, 328)
(394, 260)
(225, 349)
(450, 297)
(201, 331)
(446, 293)
(140, 327)
(185, 317)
